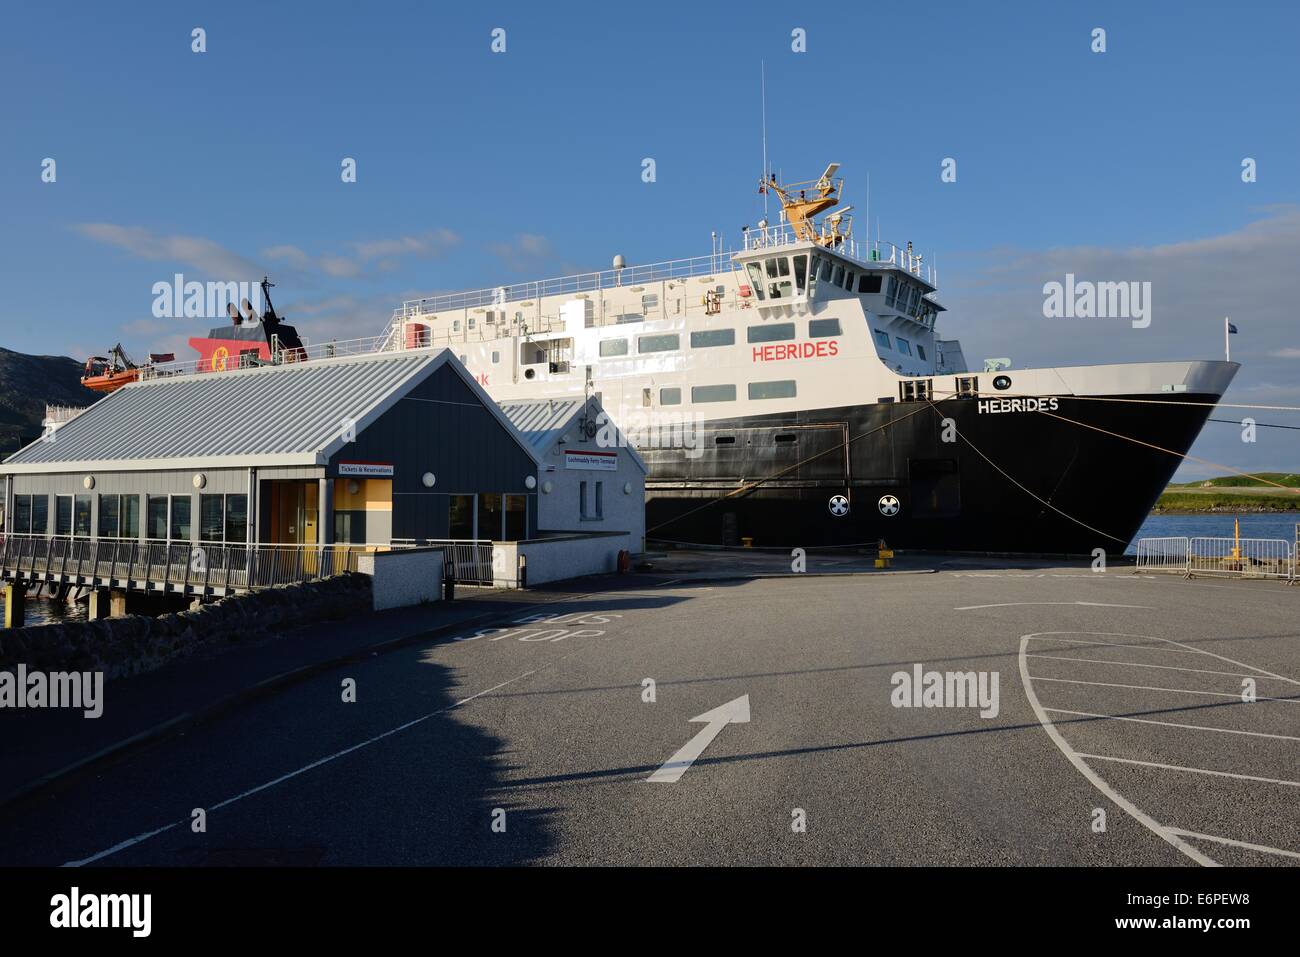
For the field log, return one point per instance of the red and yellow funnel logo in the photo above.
(219, 357)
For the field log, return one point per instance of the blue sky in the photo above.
(476, 168)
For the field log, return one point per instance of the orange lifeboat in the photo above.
(109, 373)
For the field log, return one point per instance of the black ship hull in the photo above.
(1011, 477)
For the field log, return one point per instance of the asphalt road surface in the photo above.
(1123, 734)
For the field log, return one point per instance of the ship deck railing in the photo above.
(867, 252)
(281, 355)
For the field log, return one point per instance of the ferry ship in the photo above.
(817, 401)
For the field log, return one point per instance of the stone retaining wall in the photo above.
(139, 643)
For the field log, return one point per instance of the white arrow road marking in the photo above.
(733, 712)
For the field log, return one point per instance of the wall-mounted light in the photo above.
(627, 488)
(546, 487)
(88, 482)
(530, 482)
(428, 478)
(353, 486)
(200, 480)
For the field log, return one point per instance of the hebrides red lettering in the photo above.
(797, 350)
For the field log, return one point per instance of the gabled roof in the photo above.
(544, 422)
(273, 416)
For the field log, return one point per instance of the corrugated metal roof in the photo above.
(542, 421)
(282, 415)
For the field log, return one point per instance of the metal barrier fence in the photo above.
(1227, 557)
(1241, 557)
(1162, 555)
(157, 566)
(468, 561)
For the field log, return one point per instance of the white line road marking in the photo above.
(1138, 664)
(1086, 604)
(1179, 767)
(733, 712)
(1213, 694)
(141, 838)
(1112, 644)
(1095, 779)
(1169, 641)
(1231, 843)
(1173, 724)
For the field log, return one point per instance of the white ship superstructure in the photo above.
(794, 363)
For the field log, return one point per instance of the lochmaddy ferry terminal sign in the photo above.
(591, 461)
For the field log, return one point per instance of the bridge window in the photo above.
(904, 347)
(713, 393)
(782, 389)
(707, 338)
(661, 343)
(670, 396)
(868, 283)
(778, 272)
(772, 332)
(801, 273)
(825, 274)
(823, 328)
(920, 351)
(849, 278)
(756, 279)
(613, 347)
(837, 277)
(882, 339)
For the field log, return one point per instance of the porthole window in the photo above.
(1002, 382)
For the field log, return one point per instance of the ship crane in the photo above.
(801, 202)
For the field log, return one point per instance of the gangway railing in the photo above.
(183, 567)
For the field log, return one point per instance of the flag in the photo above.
(1232, 330)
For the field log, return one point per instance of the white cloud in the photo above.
(208, 257)
(996, 303)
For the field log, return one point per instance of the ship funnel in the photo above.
(233, 312)
(249, 314)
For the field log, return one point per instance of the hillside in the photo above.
(27, 384)
(1259, 479)
(1234, 493)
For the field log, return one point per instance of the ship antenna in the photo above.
(867, 217)
(763, 98)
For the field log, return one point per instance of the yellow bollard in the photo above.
(15, 604)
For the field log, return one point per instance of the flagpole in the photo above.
(1227, 348)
